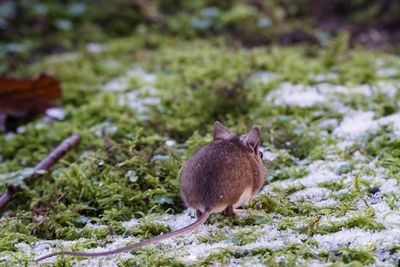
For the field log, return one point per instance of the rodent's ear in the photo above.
(220, 132)
(253, 139)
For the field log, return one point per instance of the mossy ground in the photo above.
(158, 98)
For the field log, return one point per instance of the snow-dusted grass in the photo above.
(189, 249)
(332, 192)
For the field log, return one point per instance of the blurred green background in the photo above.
(30, 29)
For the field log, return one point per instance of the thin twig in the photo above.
(108, 146)
(44, 165)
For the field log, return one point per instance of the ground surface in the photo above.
(331, 141)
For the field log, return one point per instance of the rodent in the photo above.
(220, 177)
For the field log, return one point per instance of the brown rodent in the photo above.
(221, 176)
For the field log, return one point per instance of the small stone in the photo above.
(374, 190)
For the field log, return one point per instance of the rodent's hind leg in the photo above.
(198, 213)
(230, 211)
(241, 213)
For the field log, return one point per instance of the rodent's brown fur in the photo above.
(218, 174)
(221, 176)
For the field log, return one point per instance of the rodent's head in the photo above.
(251, 140)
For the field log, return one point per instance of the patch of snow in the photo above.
(387, 72)
(313, 263)
(356, 124)
(319, 172)
(393, 219)
(324, 77)
(393, 120)
(170, 143)
(380, 62)
(9, 136)
(247, 261)
(42, 124)
(108, 126)
(329, 89)
(364, 89)
(362, 239)
(21, 129)
(329, 124)
(94, 48)
(390, 88)
(265, 76)
(43, 247)
(91, 225)
(116, 85)
(389, 186)
(313, 194)
(267, 155)
(179, 221)
(121, 83)
(137, 102)
(56, 113)
(148, 78)
(138, 99)
(343, 191)
(327, 203)
(274, 239)
(160, 157)
(296, 95)
(383, 214)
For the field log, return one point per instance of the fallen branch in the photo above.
(44, 165)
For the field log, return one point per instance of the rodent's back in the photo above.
(217, 175)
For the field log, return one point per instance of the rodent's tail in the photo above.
(149, 241)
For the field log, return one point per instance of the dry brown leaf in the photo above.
(20, 98)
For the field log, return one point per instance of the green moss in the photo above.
(286, 223)
(264, 202)
(278, 169)
(14, 231)
(288, 208)
(392, 200)
(337, 50)
(250, 218)
(353, 256)
(286, 133)
(198, 82)
(222, 257)
(243, 237)
(394, 249)
(363, 220)
(335, 186)
(98, 233)
(154, 259)
(215, 237)
(148, 229)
